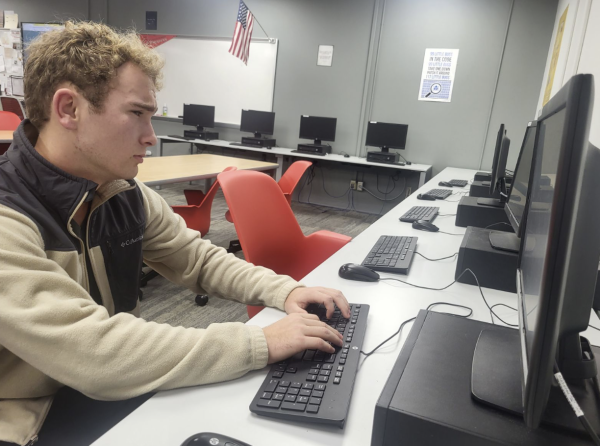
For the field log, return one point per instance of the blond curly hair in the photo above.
(86, 54)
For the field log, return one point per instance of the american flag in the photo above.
(240, 45)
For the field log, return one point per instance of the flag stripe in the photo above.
(242, 34)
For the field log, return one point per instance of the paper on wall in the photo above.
(437, 80)
(2, 67)
(11, 21)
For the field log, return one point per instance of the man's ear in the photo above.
(66, 107)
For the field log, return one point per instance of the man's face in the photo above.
(114, 141)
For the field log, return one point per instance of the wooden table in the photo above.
(178, 169)
(6, 136)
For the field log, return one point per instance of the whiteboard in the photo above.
(201, 71)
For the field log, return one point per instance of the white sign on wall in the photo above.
(325, 57)
(437, 80)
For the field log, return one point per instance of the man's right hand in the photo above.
(297, 332)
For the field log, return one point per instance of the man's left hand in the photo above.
(300, 298)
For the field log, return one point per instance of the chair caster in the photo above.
(234, 246)
(201, 300)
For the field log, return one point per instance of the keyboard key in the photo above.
(316, 401)
(318, 393)
(296, 385)
(290, 398)
(337, 380)
(302, 399)
(272, 404)
(320, 387)
(323, 379)
(293, 391)
(312, 409)
(278, 375)
(305, 392)
(308, 386)
(281, 389)
(266, 395)
(298, 407)
(278, 396)
(284, 383)
(311, 378)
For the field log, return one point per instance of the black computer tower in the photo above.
(470, 213)
(267, 143)
(427, 401)
(494, 268)
(314, 149)
(207, 136)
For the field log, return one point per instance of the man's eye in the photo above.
(137, 113)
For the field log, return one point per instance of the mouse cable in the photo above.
(496, 224)
(573, 403)
(448, 233)
(446, 215)
(413, 318)
(386, 199)
(435, 260)
(492, 312)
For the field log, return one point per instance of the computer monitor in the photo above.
(317, 128)
(386, 136)
(498, 181)
(519, 195)
(199, 116)
(556, 273)
(258, 122)
(31, 30)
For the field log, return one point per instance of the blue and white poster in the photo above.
(437, 80)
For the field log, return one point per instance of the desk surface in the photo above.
(170, 417)
(6, 135)
(288, 152)
(177, 169)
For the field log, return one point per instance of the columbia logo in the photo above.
(131, 241)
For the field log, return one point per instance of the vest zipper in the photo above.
(33, 440)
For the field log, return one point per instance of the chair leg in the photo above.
(234, 246)
(201, 300)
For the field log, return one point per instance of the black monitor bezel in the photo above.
(317, 137)
(210, 124)
(571, 230)
(267, 130)
(372, 125)
(518, 227)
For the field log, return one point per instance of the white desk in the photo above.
(170, 417)
(424, 170)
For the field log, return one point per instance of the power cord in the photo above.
(499, 223)
(435, 260)
(446, 215)
(573, 403)
(449, 233)
(492, 312)
(413, 318)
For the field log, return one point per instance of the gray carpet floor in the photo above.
(165, 302)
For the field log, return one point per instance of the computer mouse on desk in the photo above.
(352, 271)
(424, 225)
(445, 183)
(212, 439)
(426, 197)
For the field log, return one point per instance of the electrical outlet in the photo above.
(359, 186)
(408, 191)
(353, 184)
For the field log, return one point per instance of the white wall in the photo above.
(589, 62)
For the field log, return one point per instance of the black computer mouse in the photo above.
(425, 225)
(346, 155)
(426, 197)
(352, 271)
(445, 183)
(212, 439)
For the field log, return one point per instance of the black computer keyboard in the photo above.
(239, 144)
(440, 194)
(415, 213)
(391, 254)
(314, 386)
(458, 183)
(187, 138)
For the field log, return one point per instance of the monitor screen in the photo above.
(385, 135)
(560, 246)
(515, 207)
(29, 31)
(260, 122)
(199, 115)
(317, 128)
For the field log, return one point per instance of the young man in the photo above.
(75, 227)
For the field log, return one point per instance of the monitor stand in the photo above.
(496, 380)
(505, 241)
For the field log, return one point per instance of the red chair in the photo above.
(12, 105)
(197, 216)
(8, 121)
(268, 230)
